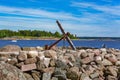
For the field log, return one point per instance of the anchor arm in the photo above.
(67, 38)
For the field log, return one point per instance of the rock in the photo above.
(48, 70)
(46, 61)
(98, 78)
(3, 59)
(30, 61)
(9, 72)
(106, 62)
(70, 64)
(32, 54)
(12, 61)
(118, 56)
(10, 48)
(109, 77)
(46, 76)
(117, 63)
(36, 75)
(52, 63)
(88, 69)
(84, 77)
(20, 64)
(86, 60)
(97, 52)
(29, 49)
(40, 65)
(112, 59)
(73, 73)
(39, 48)
(71, 57)
(50, 54)
(98, 59)
(61, 64)
(28, 76)
(77, 63)
(60, 74)
(94, 75)
(41, 55)
(112, 71)
(4, 54)
(83, 53)
(104, 50)
(28, 67)
(22, 56)
(54, 78)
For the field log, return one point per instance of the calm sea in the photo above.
(80, 43)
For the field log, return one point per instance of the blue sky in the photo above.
(99, 18)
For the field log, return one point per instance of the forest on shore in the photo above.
(31, 33)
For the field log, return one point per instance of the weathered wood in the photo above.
(67, 38)
(65, 35)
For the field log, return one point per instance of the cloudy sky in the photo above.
(98, 18)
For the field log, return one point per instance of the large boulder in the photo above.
(10, 48)
(9, 72)
(50, 54)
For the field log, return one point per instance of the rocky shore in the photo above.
(35, 63)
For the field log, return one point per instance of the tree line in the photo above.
(31, 33)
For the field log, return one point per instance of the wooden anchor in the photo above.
(65, 36)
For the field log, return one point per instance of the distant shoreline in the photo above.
(32, 39)
(53, 38)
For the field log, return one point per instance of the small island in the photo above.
(31, 34)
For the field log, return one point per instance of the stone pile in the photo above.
(64, 64)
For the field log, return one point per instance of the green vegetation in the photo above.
(31, 33)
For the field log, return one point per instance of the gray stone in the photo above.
(60, 74)
(98, 59)
(28, 76)
(50, 54)
(86, 60)
(4, 54)
(106, 62)
(73, 75)
(54, 78)
(39, 48)
(83, 53)
(12, 61)
(20, 64)
(61, 64)
(46, 61)
(52, 63)
(109, 77)
(84, 77)
(32, 54)
(10, 48)
(4, 59)
(40, 65)
(36, 75)
(46, 76)
(30, 61)
(9, 72)
(29, 49)
(48, 70)
(112, 71)
(117, 63)
(94, 75)
(22, 56)
(41, 56)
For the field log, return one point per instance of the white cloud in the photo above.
(37, 13)
(110, 10)
(88, 24)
